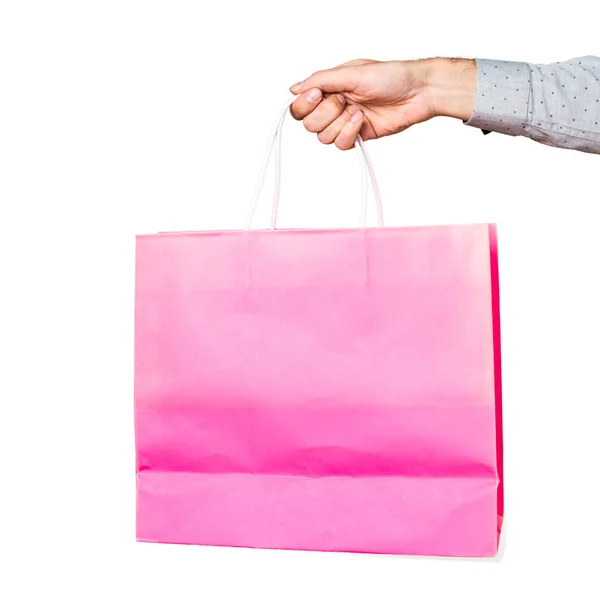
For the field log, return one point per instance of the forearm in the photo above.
(556, 104)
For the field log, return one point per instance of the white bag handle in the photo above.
(275, 144)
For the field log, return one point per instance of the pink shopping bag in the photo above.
(320, 389)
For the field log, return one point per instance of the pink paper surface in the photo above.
(320, 389)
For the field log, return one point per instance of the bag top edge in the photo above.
(219, 232)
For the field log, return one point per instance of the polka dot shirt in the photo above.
(556, 104)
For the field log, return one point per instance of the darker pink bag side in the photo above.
(497, 371)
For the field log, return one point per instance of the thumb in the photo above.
(340, 79)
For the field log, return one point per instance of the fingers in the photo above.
(331, 122)
(325, 113)
(322, 111)
(304, 104)
(347, 135)
(344, 129)
(320, 105)
(330, 133)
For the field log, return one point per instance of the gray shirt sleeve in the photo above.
(556, 104)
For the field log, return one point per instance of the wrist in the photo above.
(451, 84)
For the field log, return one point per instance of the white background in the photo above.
(123, 117)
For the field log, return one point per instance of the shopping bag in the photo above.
(334, 390)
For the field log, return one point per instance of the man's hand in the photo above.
(381, 98)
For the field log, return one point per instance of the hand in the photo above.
(377, 99)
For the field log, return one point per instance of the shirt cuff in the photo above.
(502, 97)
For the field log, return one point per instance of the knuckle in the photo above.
(335, 105)
(317, 74)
